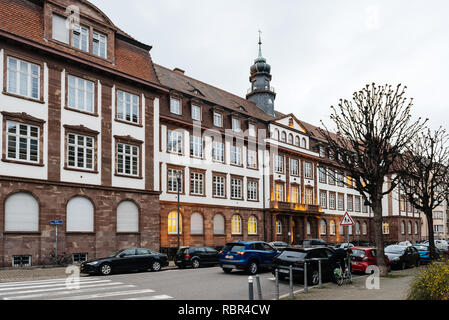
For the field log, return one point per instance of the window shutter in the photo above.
(219, 224)
(21, 213)
(80, 215)
(59, 29)
(196, 224)
(127, 217)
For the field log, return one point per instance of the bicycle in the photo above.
(342, 276)
(62, 260)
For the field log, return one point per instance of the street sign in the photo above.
(347, 220)
(56, 222)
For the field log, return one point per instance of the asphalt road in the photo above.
(187, 284)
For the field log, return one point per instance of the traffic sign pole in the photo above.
(56, 251)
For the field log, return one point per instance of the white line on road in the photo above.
(45, 296)
(50, 285)
(106, 295)
(159, 297)
(37, 282)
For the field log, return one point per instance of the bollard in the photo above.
(250, 287)
(259, 288)
(306, 289)
(277, 283)
(320, 283)
(291, 282)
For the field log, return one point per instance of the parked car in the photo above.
(296, 257)
(247, 255)
(444, 250)
(363, 257)
(424, 252)
(279, 245)
(313, 242)
(196, 257)
(405, 243)
(344, 245)
(126, 260)
(402, 256)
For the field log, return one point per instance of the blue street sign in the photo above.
(56, 222)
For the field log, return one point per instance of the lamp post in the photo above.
(178, 187)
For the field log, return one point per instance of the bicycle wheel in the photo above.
(338, 276)
(48, 262)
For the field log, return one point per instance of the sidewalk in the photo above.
(30, 274)
(394, 287)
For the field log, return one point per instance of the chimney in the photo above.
(178, 70)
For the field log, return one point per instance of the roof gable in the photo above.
(292, 122)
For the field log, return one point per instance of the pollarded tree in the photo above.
(425, 175)
(372, 131)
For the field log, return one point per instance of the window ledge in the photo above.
(41, 100)
(93, 114)
(129, 122)
(81, 170)
(23, 162)
(128, 176)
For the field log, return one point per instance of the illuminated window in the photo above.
(323, 199)
(309, 196)
(236, 224)
(279, 192)
(252, 225)
(385, 228)
(294, 194)
(278, 227)
(323, 227)
(173, 222)
(332, 228)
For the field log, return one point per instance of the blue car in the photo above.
(424, 252)
(247, 255)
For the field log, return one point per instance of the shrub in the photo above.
(432, 283)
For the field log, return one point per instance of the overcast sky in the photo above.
(320, 50)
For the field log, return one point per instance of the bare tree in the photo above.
(425, 175)
(372, 131)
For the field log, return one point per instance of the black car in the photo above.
(196, 257)
(279, 245)
(313, 243)
(126, 260)
(296, 257)
(402, 257)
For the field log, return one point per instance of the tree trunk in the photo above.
(429, 216)
(378, 236)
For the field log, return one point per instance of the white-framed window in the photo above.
(196, 223)
(402, 227)
(304, 143)
(341, 202)
(196, 113)
(283, 136)
(279, 163)
(322, 174)
(80, 215)
(340, 180)
(308, 173)
(172, 181)
(332, 228)
(100, 44)
(297, 143)
(23, 78)
(219, 224)
(416, 228)
(175, 106)
(350, 201)
(322, 152)
(80, 151)
(332, 200)
(81, 37)
(331, 177)
(235, 125)
(278, 227)
(236, 155)
(21, 213)
(252, 129)
(294, 194)
(309, 196)
(197, 183)
(127, 106)
(81, 94)
(218, 119)
(323, 199)
(323, 227)
(385, 228)
(219, 186)
(59, 29)
(252, 159)
(252, 225)
(357, 228)
(218, 151)
(23, 142)
(290, 138)
(236, 224)
(279, 192)
(253, 187)
(173, 222)
(127, 159)
(196, 146)
(357, 206)
(174, 141)
(410, 227)
(236, 188)
(294, 167)
(364, 228)
(127, 217)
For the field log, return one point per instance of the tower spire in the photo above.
(260, 44)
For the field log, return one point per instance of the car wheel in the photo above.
(227, 270)
(253, 267)
(156, 266)
(195, 263)
(105, 269)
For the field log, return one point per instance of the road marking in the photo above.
(106, 295)
(37, 282)
(44, 296)
(159, 297)
(50, 285)
(62, 288)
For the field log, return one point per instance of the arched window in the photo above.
(297, 143)
(323, 227)
(173, 222)
(341, 230)
(364, 228)
(252, 225)
(308, 228)
(127, 217)
(80, 215)
(303, 143)
(332, 227)
(409, 227)
(402, 227)
(219, 224)
(357, 228)
(283, 136)
(196, 223)
(278, 227)
(416, 228)
(21, 213)
(236, 224)
(290, 138)
(276, 134)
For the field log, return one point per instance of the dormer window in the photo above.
(175, 106)
(196, 113)
(235, 125)
(252, 129)
(60, 31)
(99, 44)
(81, 38)
(218, 120)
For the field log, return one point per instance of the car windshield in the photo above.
(293, 254)
(394, 250)
(358, 253)
(234, 247)
(115, 254)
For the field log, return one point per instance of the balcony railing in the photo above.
(266, 88)
(295, 206)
